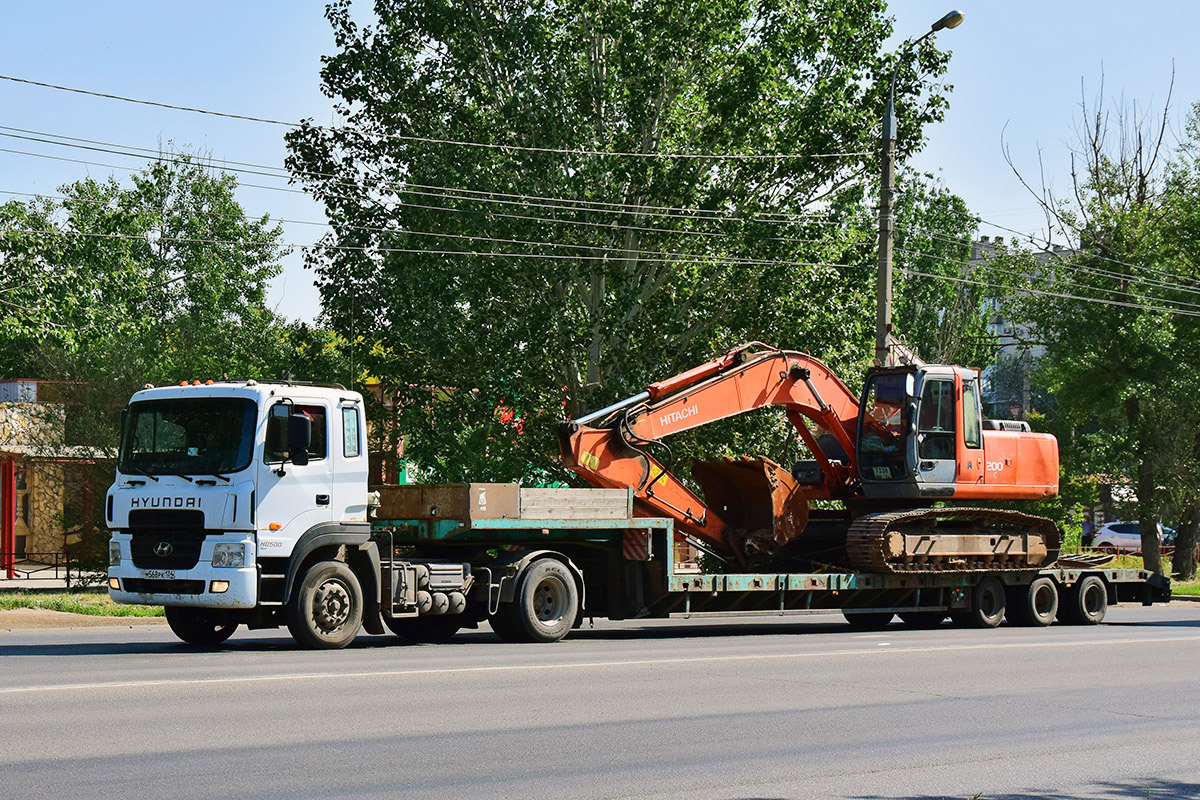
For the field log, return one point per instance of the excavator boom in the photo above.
(746, 500)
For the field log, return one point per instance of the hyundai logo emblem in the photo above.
(163, 549)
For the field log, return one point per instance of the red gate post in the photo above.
(8, 517)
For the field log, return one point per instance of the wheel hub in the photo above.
(331, 606)
(548, 600)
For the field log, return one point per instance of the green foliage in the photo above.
(90, 603)
(629, 267)
(1123, 369)
(159, 281)
(938, 316)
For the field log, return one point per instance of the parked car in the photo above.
(1127, 536)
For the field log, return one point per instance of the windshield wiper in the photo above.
(180, 475)
(216, 475)
(139, 472)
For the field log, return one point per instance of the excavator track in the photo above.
(952, 540)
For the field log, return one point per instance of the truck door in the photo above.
(349, 456)
(291, 503)
(936, 425)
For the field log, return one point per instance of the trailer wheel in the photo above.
(1085, 603)
(1035, 604)
(922, 619)
(200, 626)
(987, 605)
(425, 629)
(545, 606)
(868, 620)
(325, 611)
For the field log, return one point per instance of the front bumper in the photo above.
(186, 587)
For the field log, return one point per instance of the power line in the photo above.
(458, 193)
(432, 140)
(681, 258)
(1083, 270)
(1062, 260)
(1030, 290)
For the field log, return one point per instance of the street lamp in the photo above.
(887, 190)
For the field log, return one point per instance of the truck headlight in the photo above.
(229, 555)
(114, 554)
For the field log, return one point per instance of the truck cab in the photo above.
(921, 434)
(220, 484)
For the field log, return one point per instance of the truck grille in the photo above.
(150, 585)
(166, 538)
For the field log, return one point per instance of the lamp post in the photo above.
(887, 190)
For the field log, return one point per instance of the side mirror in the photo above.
(299, 438)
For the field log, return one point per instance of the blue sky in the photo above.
(1017, 68)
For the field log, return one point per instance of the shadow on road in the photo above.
(1101, 790)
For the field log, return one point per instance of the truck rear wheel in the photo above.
(545, 605)
(988, 602)
(199, 626)
(1085, 603)
(325, 609)
(1035, 604)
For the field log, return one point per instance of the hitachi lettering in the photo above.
(164, 502)
(676, 416)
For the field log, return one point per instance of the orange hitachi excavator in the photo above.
(916, 436)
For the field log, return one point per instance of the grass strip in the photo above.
(96, 604)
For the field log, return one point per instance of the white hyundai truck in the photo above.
(222, 491)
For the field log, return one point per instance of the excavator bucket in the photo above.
(758, 499)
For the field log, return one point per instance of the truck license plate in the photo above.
(160, 573)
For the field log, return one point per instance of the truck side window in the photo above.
(275, 448)
(350, 446)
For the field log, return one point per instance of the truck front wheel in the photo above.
(325, 609)
(545, 605)
(200, 626)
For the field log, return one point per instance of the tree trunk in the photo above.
(1148, 518)
(1183, 563)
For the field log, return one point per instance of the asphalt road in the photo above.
(741, 709)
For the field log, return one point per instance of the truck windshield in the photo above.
(209, 435)
(881, 429)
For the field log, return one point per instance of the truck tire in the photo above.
(868, 620)
(922, 619)
(1033, 605)
(988, 602)
(325, 610)
(199, 626)
(545, 605)
(1085, 603)
(425, 629)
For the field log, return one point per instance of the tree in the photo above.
(1117, 317)
(648, 184)
(937, 310)
(115, 286)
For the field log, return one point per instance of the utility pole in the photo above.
(887, 229)
(887, 192)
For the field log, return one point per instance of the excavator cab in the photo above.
(914, 425)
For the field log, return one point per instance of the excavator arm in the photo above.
(750, 505)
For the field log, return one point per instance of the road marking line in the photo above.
(306, 676)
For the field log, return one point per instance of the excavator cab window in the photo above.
(936, 429)
(882, 422)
